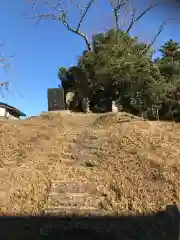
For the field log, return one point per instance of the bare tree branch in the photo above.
(58, 7)
(116, 10)
(135, 19)
(77, 5)
(4, 64)
(148, 46)
(59, 13)
(84, 14)
(78, 33)
(3, 60)
(157, 34)
(3, 85)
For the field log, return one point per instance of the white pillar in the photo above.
(88, 108)
(114, 107)
(86, 105)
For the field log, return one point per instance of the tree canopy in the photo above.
(120, 68)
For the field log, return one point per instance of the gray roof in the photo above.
(13, 109)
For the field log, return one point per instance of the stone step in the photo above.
(67, 157)
(73, 187)
(82, 211)
(81, 146)
(73, 200)
(67, 161)
(85, 143)
(85, 151)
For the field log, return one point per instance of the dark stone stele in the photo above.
(56, 99)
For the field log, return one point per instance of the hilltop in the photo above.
(134, 163)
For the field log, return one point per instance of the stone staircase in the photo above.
(73, 198)
(80, 144)
(85, 148)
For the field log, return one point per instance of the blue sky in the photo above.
(39, 50)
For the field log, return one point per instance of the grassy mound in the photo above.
(136, 163)
(140, 164)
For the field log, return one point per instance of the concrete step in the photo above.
(67, 156)
(81, 211)
(73, 200)
(67, 161)
(73, 187)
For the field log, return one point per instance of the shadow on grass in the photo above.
(154, 226)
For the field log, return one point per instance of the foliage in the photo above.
(169, 66)
(121, 68)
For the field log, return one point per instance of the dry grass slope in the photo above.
(135, 164)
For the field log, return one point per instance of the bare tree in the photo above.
(120, 4)
(4, 65)
(59, 11)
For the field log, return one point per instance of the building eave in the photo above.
(13, 109)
